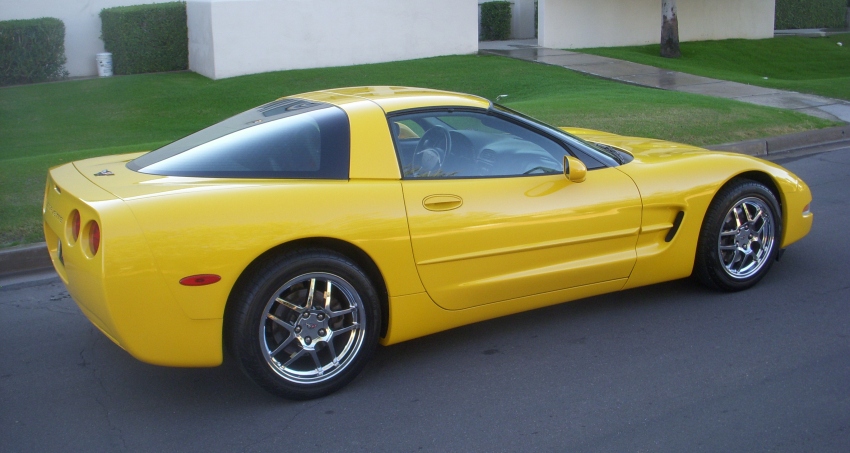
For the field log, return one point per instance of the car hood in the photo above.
(646, 150)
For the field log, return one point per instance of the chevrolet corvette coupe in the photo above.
(300, 234)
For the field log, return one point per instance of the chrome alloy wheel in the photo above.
(312, 328)
(746, 238)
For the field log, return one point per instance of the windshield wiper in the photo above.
(611, 152)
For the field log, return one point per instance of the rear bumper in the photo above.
(119, 288)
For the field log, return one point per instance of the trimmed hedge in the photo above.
(146, 38)
(791, 14)
(495, 21)
(32, 50)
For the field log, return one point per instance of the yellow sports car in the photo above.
(300, 234)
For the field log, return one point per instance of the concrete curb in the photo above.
(786, 143)
(24, 258)
(25, 264)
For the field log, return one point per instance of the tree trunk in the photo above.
(669, 30)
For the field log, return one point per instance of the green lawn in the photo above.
(48, 124)
(808, 65)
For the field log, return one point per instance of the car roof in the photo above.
(394, 98)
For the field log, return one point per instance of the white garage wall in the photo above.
(234, 37)
(82, 25)
(603, 23)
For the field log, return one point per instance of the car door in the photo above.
(493, 217)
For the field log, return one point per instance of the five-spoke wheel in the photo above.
(305, 323)
(312, 328)
(746, 238)
(739, 237)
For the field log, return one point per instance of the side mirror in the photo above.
(574, 169)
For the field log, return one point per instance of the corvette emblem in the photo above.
(104, 173)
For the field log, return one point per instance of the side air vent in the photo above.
(677, 222)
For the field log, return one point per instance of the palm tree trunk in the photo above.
(669, 30)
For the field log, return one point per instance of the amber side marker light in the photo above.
(200, 280)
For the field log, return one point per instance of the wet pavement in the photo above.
(650, 76)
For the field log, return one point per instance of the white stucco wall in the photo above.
(603, 23)
(235, 37)
(82, 25)
(522, 19)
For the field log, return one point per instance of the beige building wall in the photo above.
(234, 37)
(604, 23)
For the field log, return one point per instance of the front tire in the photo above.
(740, 237)
(306, 323)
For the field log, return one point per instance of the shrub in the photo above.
(146, 38)
(32, 50)
(792, 14)
(495, 21)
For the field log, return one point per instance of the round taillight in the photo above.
(75, 226)
(72, 227)
(94, 237)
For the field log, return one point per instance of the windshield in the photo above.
(607, 156)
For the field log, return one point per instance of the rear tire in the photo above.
(305, 324)
(740, 237)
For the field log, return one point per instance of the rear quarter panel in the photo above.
(221, 228)
(119, 288)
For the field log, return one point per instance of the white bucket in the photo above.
(104, 64)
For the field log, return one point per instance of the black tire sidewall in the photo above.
(708, 267)
(244, 324)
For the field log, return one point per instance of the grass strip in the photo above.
(48, 124)
(808, 65)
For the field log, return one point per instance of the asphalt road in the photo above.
(672, 367)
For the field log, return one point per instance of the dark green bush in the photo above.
(32, 50)
(792, 14)
(146, 38)
(495, 21)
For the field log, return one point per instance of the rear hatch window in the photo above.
(289, 138)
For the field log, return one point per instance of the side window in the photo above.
(307, 140)
(464, 144)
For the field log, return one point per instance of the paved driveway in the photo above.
(671, 367)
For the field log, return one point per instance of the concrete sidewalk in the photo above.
(650, 76)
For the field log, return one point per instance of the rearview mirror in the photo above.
(574, 169)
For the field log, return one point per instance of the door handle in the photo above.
(442, 202)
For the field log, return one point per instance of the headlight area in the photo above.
(798, 221)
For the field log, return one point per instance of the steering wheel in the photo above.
(431, 150)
